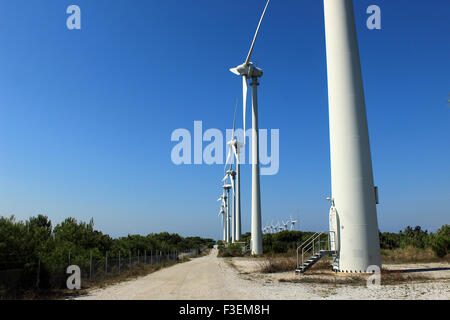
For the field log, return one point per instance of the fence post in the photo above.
(119, 261)
(90, 267)
(106, 263)
(38, 271)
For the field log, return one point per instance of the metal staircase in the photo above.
(312, 250)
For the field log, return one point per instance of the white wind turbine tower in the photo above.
(222, 212)
(280, 227)
(272, 227)
(293, 223)
(231, 174)
(285, 224)
(277, 226)
(353, 213)
(234, 147)
(248, 70)
(226, 188)
(266, 228)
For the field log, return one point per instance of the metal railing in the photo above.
(313, 245)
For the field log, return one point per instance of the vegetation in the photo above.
(33, 247)
(388, 277)
(280, 243)
(233, 250)
(415, 245)
(274, 264)
(409, 245)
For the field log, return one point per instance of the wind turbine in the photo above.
(234, 147)
(353, 213)
(222, 212)
(276, 227)
(272, 227)
(280, 227)
(231, 174)
(248, 70)
(226, 188)
(292, 223)
(285, 223)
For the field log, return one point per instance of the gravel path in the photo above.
(212, 278)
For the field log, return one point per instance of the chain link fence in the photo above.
(17, 275)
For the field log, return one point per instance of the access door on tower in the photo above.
(334, 229)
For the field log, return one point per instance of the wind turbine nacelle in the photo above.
(254, 72)
(248, 70)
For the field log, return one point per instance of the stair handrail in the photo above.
(312, 246)
(309, 244)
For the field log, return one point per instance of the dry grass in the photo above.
(274, 264)
(410, 255)
(393, 277)
(388, 277)
(138, 271)
(322, 265)
(205, 252)
(56, 294)
(335, 280)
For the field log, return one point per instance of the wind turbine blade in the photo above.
(235, 154)
(244, 101)
(234, 120)
(235, 71)
(225, 178)
(232, 184)
(228, 158)
(256, 34)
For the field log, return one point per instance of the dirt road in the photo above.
(215, 278)
(201, 278)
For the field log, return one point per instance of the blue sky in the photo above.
(86, 116)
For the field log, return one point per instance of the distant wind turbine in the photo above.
(292, 223)
(231, 174)
(222, 212)
(248, 70)
(234, 147)
(226, 188)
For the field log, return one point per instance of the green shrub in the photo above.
(441, 241)
(233, 250)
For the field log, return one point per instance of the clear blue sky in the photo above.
(86, 116)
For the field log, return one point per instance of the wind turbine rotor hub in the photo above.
(248, 70)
